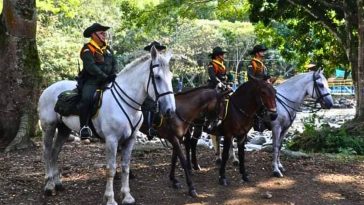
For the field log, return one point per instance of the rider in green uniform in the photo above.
(99, 68)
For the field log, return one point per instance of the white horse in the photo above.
(118, 120)
(290, 96)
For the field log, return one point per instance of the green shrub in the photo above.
(326, 139)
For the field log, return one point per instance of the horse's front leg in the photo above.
(196, 135)
(232, 154)
(175, 182)
(62, 136)
(216, 143)
(276, 148)
(178, 150)
(280, 166)
(241, 155)
(127, 148)
(111, 145)
(187, 142)
(225, 157)
(48, 135)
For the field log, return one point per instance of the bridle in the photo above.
(116, 90)
(315, 88)
(152, 79)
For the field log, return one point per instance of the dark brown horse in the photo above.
(249, 98)
(236, 122)
(190, 105)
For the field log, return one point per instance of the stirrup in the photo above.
(85, 132)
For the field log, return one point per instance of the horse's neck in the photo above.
(132, 83)
(294, 92)
(194, 102)
(245, 101)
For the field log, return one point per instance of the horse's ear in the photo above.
(168, 56)
(153, 52)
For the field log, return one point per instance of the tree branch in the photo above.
(324, 21)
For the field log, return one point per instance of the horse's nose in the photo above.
(327, 104)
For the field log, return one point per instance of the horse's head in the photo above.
(319, 90)
(159, 84)
(266, 96)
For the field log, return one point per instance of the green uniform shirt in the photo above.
(97, 66)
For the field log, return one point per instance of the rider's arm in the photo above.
(90, 66)
(250, 72)
(212, 75)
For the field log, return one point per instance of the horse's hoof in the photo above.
(193, 193)
(245, 179)
(282, 169)
(197, 167)
(48, 192)
(236, 163)
(223, 182)
(59, 187)
(128, 203)
(277, 174)
(218, 161)
(177, 185)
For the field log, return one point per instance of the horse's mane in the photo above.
(295, 79)
(245, 86)
(193, 90)
(135, 62)
(142, 59)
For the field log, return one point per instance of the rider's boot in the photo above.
(151, 131)
(85, 130)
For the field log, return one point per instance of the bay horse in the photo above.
(243, 105)
(190, 105)
(290, 96)
(118, 120)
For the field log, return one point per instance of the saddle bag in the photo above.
(67, 102)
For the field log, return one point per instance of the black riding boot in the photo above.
(151, 131)
(85, 131)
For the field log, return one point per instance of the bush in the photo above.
(326, 139)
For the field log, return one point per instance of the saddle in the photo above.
(68, 101)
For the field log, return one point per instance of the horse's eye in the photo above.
(157, 77)
(320, 85)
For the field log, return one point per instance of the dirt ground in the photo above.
(316, 180)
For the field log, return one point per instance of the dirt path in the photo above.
(317, 180)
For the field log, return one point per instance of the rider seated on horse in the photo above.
(216, 69)
(149, 106)
(257, 70)
(99, 68)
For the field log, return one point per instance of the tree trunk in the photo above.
(20, 74)
(360, 64)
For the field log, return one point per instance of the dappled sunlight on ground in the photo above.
(277, 183)
(335, 178)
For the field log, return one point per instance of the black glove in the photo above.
(111, 78)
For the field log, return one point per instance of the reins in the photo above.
(116, 91)
(315, 109)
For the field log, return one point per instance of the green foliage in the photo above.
(299, 36)
(135, 24)
(326, 139)
(59, 34)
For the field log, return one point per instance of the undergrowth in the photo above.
(325, 139)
